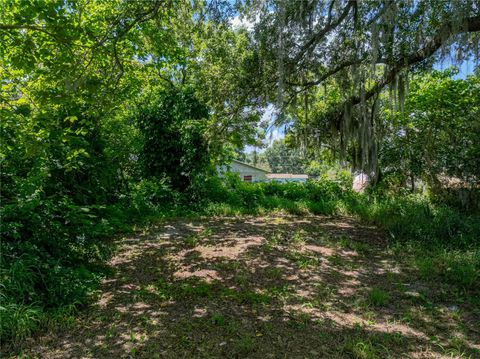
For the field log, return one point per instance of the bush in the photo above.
(50, 258)
(324, 190)
(173, 124)
(323, 207)
(152, 195)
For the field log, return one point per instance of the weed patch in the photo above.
(378, 297)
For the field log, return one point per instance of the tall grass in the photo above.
(443, 242)
(409, 217)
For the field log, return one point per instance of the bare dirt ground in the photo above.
(264, 287)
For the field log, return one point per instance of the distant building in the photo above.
(286, 177)
(247, 173)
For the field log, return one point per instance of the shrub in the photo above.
(151, 195)
(250, 193)
(50, 258)
(172, 124)
(215, 190)
(324, 190)
(322, 207)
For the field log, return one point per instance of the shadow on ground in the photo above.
(264, 287)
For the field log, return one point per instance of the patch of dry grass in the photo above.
(264, 287)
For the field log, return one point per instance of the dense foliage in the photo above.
(283, 159)
(174, 145)
(437, 133)
(354, 49)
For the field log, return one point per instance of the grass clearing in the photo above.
(211, 288)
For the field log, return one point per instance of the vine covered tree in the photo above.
(359, 48)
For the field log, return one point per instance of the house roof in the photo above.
(286, 176)
(246, 164)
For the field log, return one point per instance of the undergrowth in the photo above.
(54, 250)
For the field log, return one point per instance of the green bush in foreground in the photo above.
(52, 255)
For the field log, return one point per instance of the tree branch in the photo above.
(328, 27)
(6, 27)
(471, 24)
(326, 75)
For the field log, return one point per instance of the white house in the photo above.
(247, 173)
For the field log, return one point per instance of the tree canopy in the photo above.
(74, 71)
(356, 49)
